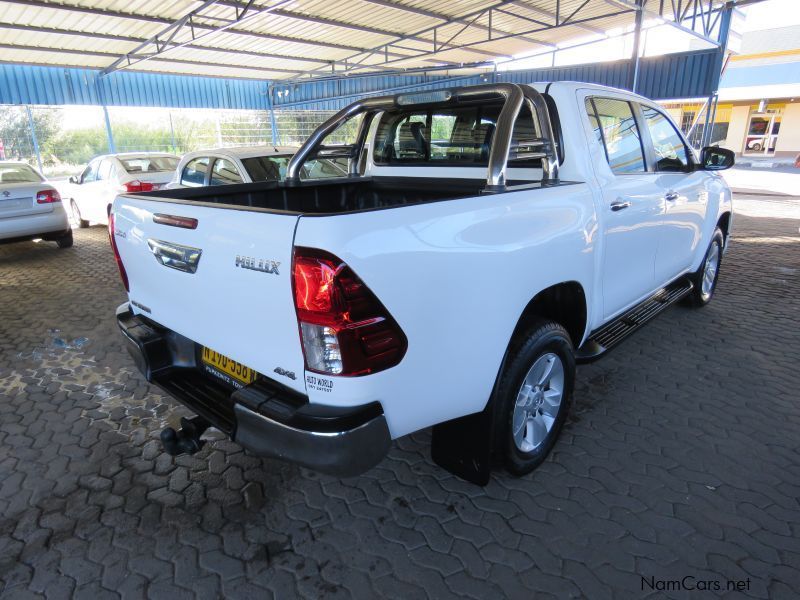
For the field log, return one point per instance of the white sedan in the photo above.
(30, 207)
(247, 164)
(105, 176)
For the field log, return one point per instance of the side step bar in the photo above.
(609, 335)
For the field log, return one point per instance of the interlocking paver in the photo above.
(680, 458)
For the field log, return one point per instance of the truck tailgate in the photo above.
(225, 284)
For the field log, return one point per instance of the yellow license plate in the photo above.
(238, 372)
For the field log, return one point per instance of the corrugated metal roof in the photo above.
(283, 40)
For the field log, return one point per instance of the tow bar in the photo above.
(187, 439)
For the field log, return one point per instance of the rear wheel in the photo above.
(65, 241)
(76, 216)
(533, 396)
(705, 278)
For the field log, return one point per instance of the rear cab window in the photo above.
(442, 136)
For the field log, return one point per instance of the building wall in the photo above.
(736, 129)
(789, 138)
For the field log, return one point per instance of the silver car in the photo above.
(30, 207)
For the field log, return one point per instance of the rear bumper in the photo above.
(50, 225)
(264, 417)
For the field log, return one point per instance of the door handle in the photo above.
(620, 205)
(671, 196)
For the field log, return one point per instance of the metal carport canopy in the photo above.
(302, 39)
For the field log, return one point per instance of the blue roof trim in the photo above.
(686, 75)
(27, 84)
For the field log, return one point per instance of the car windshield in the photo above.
(18, 174)
(149, 164)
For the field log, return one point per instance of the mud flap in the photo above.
(463, 446)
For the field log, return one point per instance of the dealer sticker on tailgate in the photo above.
(226, 369)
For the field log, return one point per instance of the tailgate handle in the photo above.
(175, 256)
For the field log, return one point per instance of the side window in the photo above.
(104, 172)
(615, 127)
(224, 172)
(90, 172)
(194, 173)
(670, 151)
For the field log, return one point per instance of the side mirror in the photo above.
(74, 179)
(714, 158)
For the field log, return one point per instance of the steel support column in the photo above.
(637, 34)
(273, 123)
(716, 73)
(111, 147)
(33, 137)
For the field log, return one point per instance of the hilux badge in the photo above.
(258, 264)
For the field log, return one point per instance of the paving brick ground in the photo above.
(680, 459)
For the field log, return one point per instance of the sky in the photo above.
(771, 14)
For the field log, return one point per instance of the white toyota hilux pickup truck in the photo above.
(485, 240)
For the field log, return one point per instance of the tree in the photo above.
(16, 134)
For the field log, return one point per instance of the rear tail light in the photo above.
(47, 197)
(123, 275)
(344, 328)
(138, 186)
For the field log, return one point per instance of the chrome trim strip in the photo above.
(175, 256)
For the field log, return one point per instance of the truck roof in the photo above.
(244, 151)
(581, 85)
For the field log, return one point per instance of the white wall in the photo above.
(789, 136)
(737, 128)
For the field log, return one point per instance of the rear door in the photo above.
(103, 190)
(632, 205)
(87, 191)
(232, 293)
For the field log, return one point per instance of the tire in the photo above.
(756, 147)
(65, 241)
(705, 281)
(76, 215)
(545, 347)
